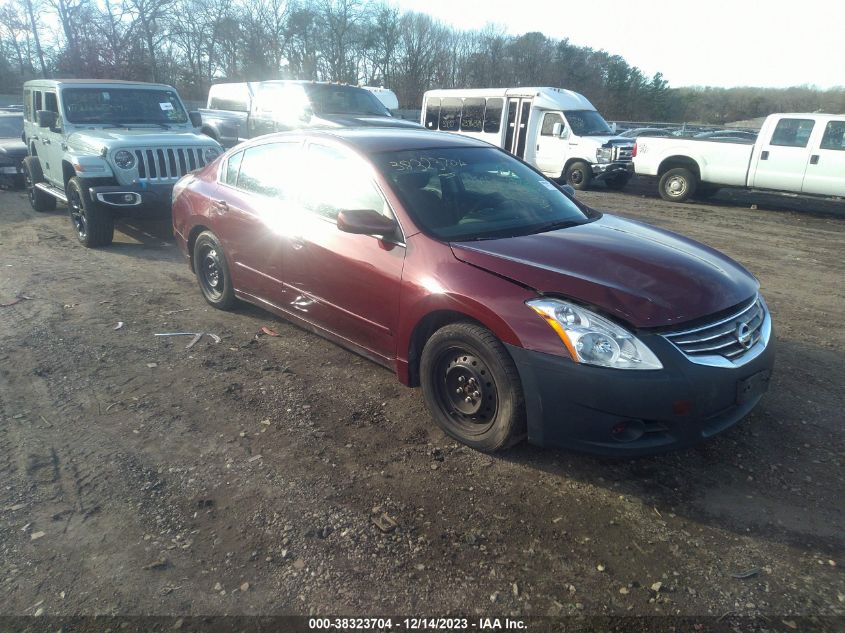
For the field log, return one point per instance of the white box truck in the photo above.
(557, 131)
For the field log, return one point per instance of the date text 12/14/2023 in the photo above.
(417, 624)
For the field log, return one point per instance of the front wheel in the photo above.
(212, 272)
(677, 185)
(93, 224)
(471, 387)
(578, 175)
(617, 183)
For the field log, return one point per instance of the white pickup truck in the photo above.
(793, 153)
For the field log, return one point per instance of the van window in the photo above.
(834, 136)
(38, 103)
(472, 117)
(450, 115)
(432, 113)
(549, 121)
(792, 132)
(493, 116)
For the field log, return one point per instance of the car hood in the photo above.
(640, 274)
(606, 141)
(352, 120)
(135, 137)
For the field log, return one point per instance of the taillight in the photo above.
(634, 151)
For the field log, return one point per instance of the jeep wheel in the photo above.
(94, 225)
(41, 201)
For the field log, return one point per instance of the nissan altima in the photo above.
(520, 311)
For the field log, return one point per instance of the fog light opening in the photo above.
(627, 430)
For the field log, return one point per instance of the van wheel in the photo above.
(617, 183)
(578, 175)
(677, 185)
(212, 272)
(94, 225)
(41, 201)
(471, 387)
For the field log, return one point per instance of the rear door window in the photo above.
(231, 169)
(269, 169)
(834, 136)
(792, 132)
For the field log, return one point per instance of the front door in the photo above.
(516, 136)
(50, 142)
(782, 159)
(551, 148)
(345, 283)
(825, 173)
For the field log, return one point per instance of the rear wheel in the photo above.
(94, 225)
(40, 200)
(677, 185)
(578, 175)
(471, 387)
(213, 272)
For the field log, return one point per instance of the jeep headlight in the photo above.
(593, 339)
(210, 153)
(604, 154)
(124, 159)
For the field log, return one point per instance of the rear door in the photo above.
(783, 157)
(345, 283)
(826, 169)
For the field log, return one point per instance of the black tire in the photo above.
(489, 412)
(704, 192)
(41, 201)
(617, 183)
(94, 224)
(578, 175)
(212, 272)
(677, 185)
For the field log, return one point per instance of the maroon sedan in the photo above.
(520, 311)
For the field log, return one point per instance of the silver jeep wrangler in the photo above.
(108, 148)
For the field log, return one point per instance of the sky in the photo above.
(767, 43)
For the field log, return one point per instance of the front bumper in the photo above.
(619, 412)
(141, 199)
(601, 171)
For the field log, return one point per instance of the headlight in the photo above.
(124, 159)
(604, 154)
(592, 339)
(210, 153)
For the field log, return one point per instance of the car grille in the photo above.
(168, 164)
(722, 337)
(623, 153)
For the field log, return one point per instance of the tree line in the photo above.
(194, 43)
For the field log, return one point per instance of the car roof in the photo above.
(372, 140)
(90, 82)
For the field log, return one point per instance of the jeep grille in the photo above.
(169, 164)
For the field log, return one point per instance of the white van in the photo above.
(557, 131)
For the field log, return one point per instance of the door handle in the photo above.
(764, 155)
(814, 159)
(221, 206)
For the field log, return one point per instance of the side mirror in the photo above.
(46, 118)
(365, 222)
(560, 131)
(196, 118)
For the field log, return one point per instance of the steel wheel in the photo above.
(30, 186)
(676, 186)
(211, 274)
(77, 212)
(466, 390)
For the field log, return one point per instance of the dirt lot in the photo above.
(138, 477)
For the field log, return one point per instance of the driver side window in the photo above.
(549, 121)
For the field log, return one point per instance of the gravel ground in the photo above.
(247, 477)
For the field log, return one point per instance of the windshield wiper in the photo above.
(551, 226)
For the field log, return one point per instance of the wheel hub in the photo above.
(466, 386)
(211, 269)
(77, 213)
(677, 186)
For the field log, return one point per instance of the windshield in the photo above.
(472, 193)
(334, 99)
(122, 105)
(587, 123)
(11, 126)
